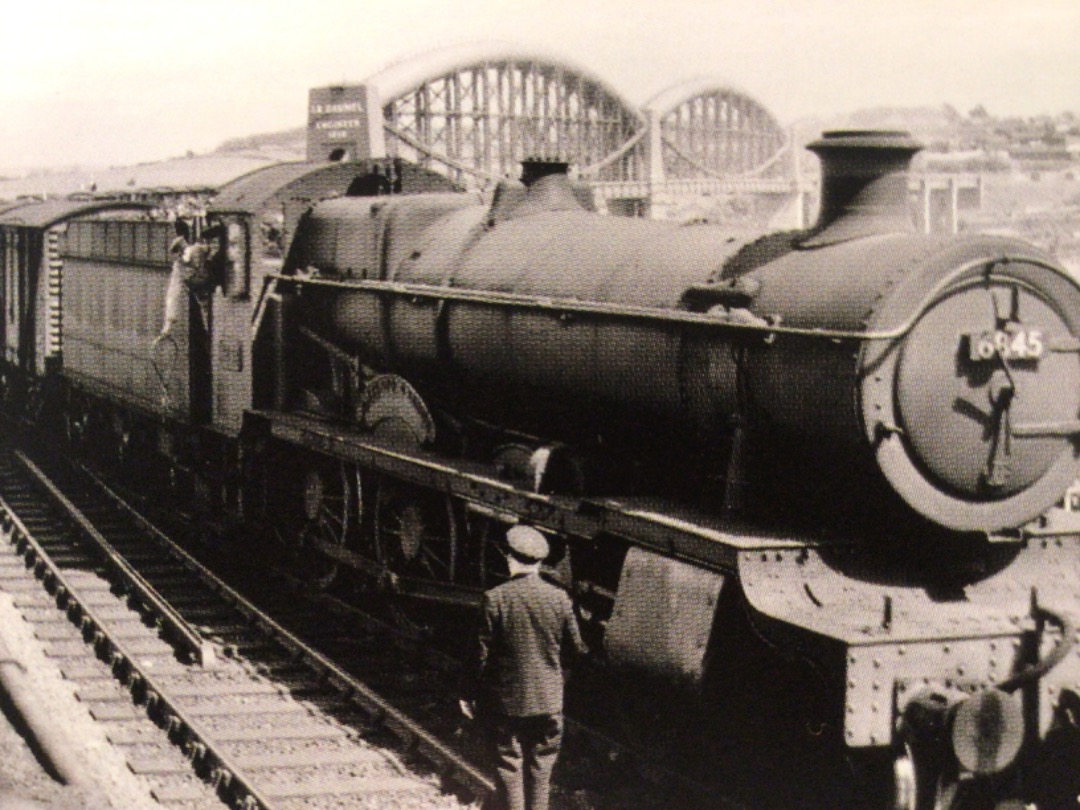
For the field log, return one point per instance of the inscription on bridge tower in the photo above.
(344, 123)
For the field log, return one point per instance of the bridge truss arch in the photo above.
(705, 128)
(713, 153)
(476, 111)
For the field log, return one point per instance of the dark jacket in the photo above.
(528, 632)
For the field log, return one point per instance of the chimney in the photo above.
(864, 176)
(534, 168)
(545, 186)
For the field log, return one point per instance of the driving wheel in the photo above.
(331, 505)
(416, 541)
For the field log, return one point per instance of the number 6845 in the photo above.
(1012, 344)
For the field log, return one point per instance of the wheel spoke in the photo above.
(328, 498)
(329, 515)
(433, 560)
(413, 521)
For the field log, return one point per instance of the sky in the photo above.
(117, 82)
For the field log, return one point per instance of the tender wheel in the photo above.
(76, 421)
(93, 429)
(34, 405)
(331, 505)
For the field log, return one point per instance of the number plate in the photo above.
(1009, 344)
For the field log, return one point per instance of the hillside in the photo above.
(291, 141)
(928, 124)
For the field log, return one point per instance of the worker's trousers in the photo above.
(525, 750)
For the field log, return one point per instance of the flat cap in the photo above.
(527, 543)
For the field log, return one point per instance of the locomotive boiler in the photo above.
(856, 357)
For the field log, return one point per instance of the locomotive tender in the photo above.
(849, 444)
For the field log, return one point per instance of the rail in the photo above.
(156, 697)
(405, 729)
(181, 631)
(185, 727)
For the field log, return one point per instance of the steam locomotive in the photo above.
(847, 452)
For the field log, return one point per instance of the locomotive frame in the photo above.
(271, 438)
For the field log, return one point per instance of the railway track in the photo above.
(279, 697)
(266, 718)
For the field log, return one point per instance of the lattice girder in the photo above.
(480, 111)
(709, 129)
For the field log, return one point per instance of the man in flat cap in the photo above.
(528, 633)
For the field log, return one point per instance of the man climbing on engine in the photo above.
(194, 270)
